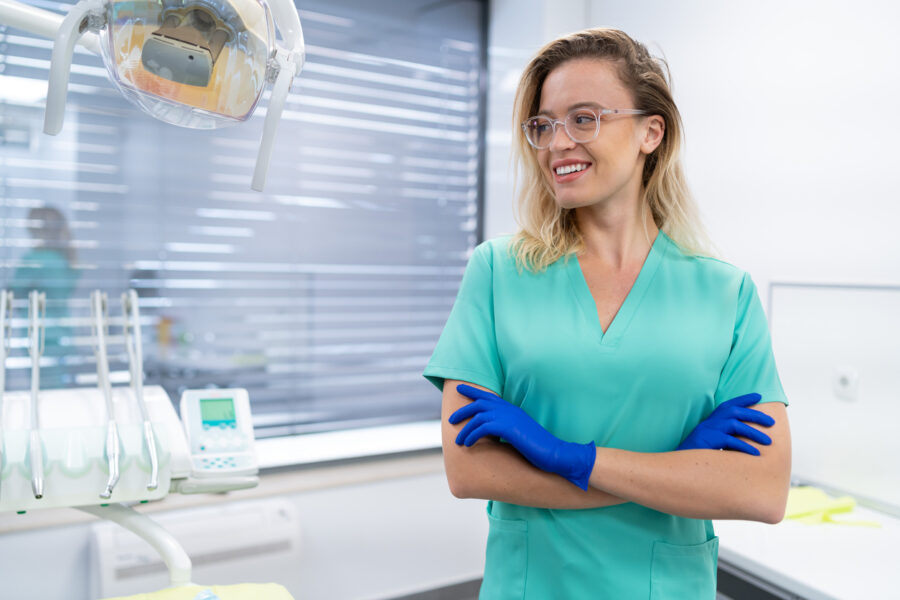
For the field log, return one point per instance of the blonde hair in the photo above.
(548, 232)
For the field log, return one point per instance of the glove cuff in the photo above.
(582, 465)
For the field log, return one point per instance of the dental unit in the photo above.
(100, 449)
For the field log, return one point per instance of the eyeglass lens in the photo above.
(581, 125)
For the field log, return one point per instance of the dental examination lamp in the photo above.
(201, 64)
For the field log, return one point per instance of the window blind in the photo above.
(323, 296)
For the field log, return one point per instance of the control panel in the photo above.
(220, 432)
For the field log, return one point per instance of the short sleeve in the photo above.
(750, 366)
(467, 348)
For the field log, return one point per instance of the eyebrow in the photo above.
(573, 107)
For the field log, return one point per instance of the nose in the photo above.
(560, 140)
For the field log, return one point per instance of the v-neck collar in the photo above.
(620, 322)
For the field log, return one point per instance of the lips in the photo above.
(565, 171)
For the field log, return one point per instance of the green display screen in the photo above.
(215, 411)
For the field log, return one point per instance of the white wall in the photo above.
(517, 31)
(842, 380)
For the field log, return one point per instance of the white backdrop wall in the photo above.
(517, 30)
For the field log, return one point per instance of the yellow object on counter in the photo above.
(242, 591)
(813, 506)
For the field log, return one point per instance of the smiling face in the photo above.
(607, 168)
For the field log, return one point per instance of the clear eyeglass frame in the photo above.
(579, 135)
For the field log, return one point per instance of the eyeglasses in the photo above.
(581, 125)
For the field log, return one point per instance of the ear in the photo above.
(655, 128)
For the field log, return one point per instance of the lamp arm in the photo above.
(41, 22)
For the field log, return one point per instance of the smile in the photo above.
(565, 170)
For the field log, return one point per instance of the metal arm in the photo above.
(289, 61)
(169, 549)
(41, 22)
(288, 22)
(87, 13)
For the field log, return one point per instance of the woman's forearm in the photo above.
(493, 471)
(490, 470)
(704, 484)
(698, 484)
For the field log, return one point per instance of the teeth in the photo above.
(571, 168)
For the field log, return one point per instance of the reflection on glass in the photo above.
(49, 266)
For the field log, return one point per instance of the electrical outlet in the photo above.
(845, 383)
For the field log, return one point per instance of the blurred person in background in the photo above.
(49, 267)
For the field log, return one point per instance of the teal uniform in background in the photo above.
(48, 270)
(691, 334)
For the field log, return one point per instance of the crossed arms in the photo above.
(699, 484)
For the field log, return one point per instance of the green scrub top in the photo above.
(690, 334)
(48, 270)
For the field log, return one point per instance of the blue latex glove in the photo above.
(729, 419)
(490, 414)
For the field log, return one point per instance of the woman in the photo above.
(49, 267)
(615, 346)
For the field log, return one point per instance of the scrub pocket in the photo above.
(684, 572)
(506, 559)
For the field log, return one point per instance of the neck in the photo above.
(617, 234)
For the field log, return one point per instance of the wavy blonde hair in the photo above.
(549, 232)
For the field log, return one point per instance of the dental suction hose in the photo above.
(6, 300)
(150, 443)
(112, 457)
(37, 306)
(99, 314)
(136, 364)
